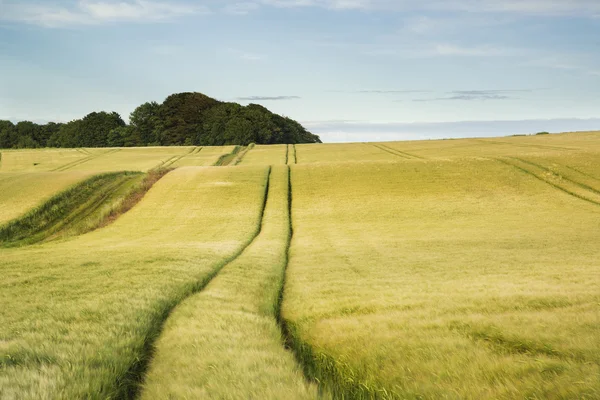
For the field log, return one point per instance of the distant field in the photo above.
(19, 192)
(454, 269)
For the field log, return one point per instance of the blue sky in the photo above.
(351, 70)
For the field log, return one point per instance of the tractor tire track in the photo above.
(174, 159)
(539, 146)
(588, 196)
(401, 152)
(333, 378)
(83, 160)
(582, 185)
(391, 152)
(128, 386)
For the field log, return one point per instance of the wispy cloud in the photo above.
(268, 98)
(241, 8)
(392, 91)
(85, 12)
(588, 8)
(481, 95)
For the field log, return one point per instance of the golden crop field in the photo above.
(438, 269)
(19, 192)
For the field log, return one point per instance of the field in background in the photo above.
(462, 268)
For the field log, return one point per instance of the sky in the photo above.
(349, 70)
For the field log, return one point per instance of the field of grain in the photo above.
(20, 192)
(463, 268)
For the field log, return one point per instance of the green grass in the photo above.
(458, 279)
(83, 311)
(224, 342)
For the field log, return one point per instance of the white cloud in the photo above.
(86, 12)
(533, 7)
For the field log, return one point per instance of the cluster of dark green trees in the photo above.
(182, 119)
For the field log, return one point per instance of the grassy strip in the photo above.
(51, 215)
(241, 155)
(92, 204)
(226, 159)
(129, 385)
(134, 196)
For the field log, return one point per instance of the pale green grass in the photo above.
(76, 315)
(20, 192)
(37, 160)
(266, 155)
(444, 279)
(207, 155)
(224, 342)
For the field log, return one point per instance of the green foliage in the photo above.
(182, 119)
(542, 133)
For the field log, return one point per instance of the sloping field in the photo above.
(276, 154)
(403, 270)
(464, 279)
(82, 313)
(20, 192)
(224, 342)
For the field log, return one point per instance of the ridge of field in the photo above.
(110, 159)
(273, 154)
(224, 342)
(79, 316)
(20, 192)
(432, 279)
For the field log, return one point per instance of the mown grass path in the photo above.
(224, 342)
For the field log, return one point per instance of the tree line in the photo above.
(182, 119)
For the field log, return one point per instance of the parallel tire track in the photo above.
(295, 154)
(401, 152)
(588, 195)
(128, 386)
(83, 160)
(287, 153)
(319, 368)
(582, 185)
(539, 146)
(174, 159)
(388, 151)
(397, 153)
